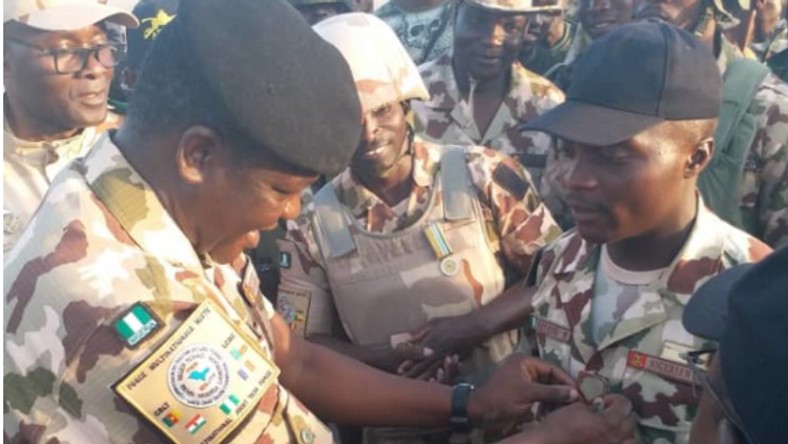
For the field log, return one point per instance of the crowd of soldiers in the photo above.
(427, 221)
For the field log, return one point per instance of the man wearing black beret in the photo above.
(121, 322)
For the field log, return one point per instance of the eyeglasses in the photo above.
(695, 359)
(72, 60)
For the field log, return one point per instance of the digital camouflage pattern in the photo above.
(517, 5)
(382, 69)
(426, 35)
(447, 118)
(764, 185)
(650, 325)
(774, 52)
(29, 168)
(100, 242)
(516, 225)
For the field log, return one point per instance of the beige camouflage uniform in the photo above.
(447, 117)
(517, 225)
(639, 356)
(29, 167)
(101, 242)
(764, 185)
(513, 222)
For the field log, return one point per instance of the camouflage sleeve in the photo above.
(519, 218)
(304, 298)
(765, 180)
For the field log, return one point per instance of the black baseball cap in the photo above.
(745, 308)
(634, 77)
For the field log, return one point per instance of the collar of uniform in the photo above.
(700, 256)
(35, 150)
(359, 199)
(445, 93)
(133, 203)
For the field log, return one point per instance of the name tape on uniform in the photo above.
(661, 367)
(552, 330)
(200, 384)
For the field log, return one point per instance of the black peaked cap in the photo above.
(288, 89)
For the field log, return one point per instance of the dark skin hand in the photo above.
(579, 424)
(460, 334)
(360, 395)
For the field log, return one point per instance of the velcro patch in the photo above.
(662, 367)
(552, 330)
(508, 179)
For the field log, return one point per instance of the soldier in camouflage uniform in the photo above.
(120, 326)
(55, 105)
(480, 93)
(508, 222)
(315, 11)
(548, 40)
(763, 187)
(608, 297)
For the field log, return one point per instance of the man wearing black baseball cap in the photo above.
(745, 398)
(632, 140)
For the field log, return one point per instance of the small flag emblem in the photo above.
(195, 424)
(171, 418)
(237, 353)
(243, 374)
(229, 404)
(137, 324)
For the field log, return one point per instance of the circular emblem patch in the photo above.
(198, 376)
(450, 266)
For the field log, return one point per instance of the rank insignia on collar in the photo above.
(135, 325)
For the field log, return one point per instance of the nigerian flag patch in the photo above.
(135, 325)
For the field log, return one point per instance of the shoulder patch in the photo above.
(511, 181)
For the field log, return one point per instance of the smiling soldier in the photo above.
(58, 65)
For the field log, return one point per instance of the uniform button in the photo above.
(307, 436)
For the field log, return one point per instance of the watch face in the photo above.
(459, 407)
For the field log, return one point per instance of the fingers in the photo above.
(422, 366)
(408, 351)
(546, 373)
(555, 394)
(617, 406)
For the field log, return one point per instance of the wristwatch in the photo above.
(460, 395)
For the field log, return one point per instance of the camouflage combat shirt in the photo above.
(639, 356)
(512, 211)
(29, 168)
(100, 242)
(764, 185)
(447, 117)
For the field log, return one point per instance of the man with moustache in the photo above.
(120, 324)
(57, 66)
(480, 93)
(746, 181)
(607, 298)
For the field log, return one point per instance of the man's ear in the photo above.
(699, 159)
(197, 149)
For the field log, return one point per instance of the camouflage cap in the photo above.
(724, 11)
(290, 91)
(65, 15)
(518, 6)
(381, 67)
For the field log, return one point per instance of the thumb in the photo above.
(552, 394)
(408, 351)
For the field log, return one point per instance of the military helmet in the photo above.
(518, 6)
(348, 4)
